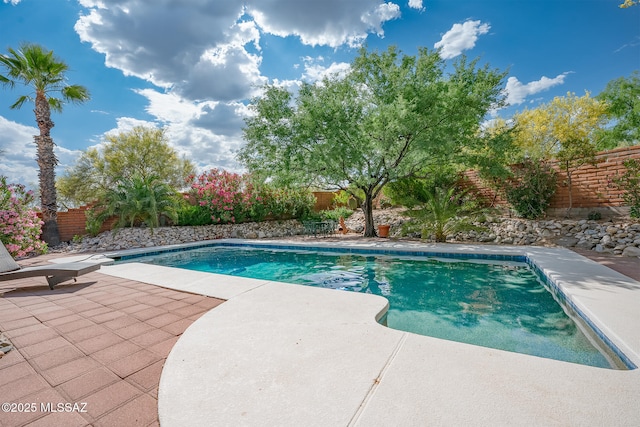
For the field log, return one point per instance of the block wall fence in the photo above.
(591, 189)
(591, 184)
(73, 223)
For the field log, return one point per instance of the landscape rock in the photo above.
(620, 237)
(567, 242)
(631, 251)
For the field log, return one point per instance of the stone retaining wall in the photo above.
(621, 238)
(128, 238)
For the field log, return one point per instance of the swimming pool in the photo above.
(500, 304)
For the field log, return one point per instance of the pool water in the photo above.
(497, 304)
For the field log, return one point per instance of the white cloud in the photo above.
(18, 157)
(314, 69)
(126, 124)
(461, 37)
(517, 92)
(169, 107)
(416, 4)
(329, 22)
(13, 2)
(383, 13)
(199, 48)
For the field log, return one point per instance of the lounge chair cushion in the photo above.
(7, 263)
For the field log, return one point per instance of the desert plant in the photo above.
(138, 200)
(629, 182)
(337, 213)
(594, 216)
(289, 202)
(446, 212)
(93, 222)
(531, 190)
(412, 192)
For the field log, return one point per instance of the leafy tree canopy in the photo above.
(142, 153)
(558, 129)
(623, 98)
(390, 117)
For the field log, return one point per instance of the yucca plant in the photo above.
(139, 200)
(447, 211)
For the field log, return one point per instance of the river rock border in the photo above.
(616, 237)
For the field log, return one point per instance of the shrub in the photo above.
(193, 215)
(137, 200)
(531, 190)
(93, 223)
(231, 197)
(283, 203)
(447, 211)
(20, 227)
(228, 196)
(341, 198)
(594, 216)
(337, 213)
(629, 182)
(412, 192)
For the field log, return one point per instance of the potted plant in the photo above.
(383, 230)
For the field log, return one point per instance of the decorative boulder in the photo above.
(631, 251)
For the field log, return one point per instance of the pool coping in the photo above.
(260, 359)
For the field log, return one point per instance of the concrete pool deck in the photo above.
(281, 354)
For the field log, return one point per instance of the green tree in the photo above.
(623, 99)
(44, 73)
(390, 117)
(143, 152)
(567, 129)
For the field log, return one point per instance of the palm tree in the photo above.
(38, 69)
(138, 199)
(447, 211)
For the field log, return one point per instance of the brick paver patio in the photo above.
(88, 353)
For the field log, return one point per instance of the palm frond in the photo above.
(20, 102)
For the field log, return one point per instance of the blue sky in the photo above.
(190, 66)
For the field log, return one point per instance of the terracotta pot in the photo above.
(383, 230)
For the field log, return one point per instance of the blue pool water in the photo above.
(497, 304)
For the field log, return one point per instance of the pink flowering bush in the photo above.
(233, 198)
(228, 196)
(20, 227)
